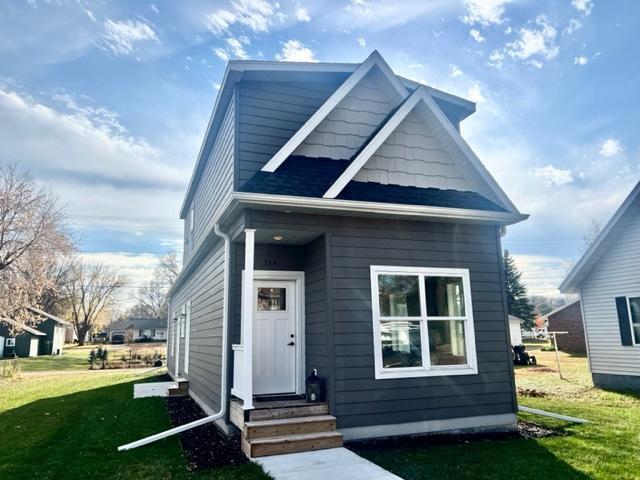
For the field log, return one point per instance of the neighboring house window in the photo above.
(634, 316)
(422, 322)
(10, 342)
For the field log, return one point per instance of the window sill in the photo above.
(447, 371)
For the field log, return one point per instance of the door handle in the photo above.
(291, 344)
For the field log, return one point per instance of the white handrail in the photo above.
(223, 383)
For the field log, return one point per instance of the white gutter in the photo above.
(557, 416)
(223, 383)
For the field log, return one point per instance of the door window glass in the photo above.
(272, 299)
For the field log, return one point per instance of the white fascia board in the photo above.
(375, 59)
(421, 94)
(395, 209)
(593, 253)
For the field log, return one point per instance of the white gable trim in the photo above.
(598, 247)
(419, 95)
(375, 59)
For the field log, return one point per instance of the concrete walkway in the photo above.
(156, 389)
(330, 464)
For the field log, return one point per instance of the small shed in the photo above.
(515, 330)
(55, 330)
(18, 339)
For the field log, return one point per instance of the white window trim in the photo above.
(633, 332)
(187, 338)
(426, 370)
(10, 342)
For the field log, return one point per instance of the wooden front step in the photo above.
(181, 388)
(289, 426)
(262, 447)
(293, 411)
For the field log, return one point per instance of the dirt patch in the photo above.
(531, 392)
(525, 430)
(205, 446)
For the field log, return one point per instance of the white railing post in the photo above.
(247, 316)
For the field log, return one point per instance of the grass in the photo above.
(608, 447)
(69, 424)
(76, 357)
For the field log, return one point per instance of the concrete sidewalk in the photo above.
(331, 464)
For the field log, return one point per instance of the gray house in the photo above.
(607, 278)
(336, 220)
(17, 339)
(137, 329)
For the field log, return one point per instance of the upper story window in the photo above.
(191, 220)
(422, 322)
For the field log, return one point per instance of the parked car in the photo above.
(117, 338)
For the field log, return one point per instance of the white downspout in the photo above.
(223, 383)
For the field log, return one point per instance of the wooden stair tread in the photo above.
(294, 438)
(290, 421)
(300, 411)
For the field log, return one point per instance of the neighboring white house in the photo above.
(607, 278)
(515, 330)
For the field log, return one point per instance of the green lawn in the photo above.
(606, 448)
(76, 357)
(68, 426)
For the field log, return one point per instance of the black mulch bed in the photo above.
(525, 430)
(205, 446)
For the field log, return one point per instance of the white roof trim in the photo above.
(421, 94)
(48, 315)
(597, 248)
(559, 309)
(22, 326)
(375, 59)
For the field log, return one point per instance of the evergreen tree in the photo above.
(105, 357)
(518, 303)
(92, 358)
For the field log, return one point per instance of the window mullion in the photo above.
(424, 333)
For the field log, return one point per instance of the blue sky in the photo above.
(108, 102)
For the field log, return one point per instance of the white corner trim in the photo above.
(500, 422)
(375, 59)
(421, 94)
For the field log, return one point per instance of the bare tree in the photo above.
(168, 268)
(91, 290)
(591, 234)
(152, 296)
(32, 241)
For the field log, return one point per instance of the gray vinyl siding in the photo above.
(356, 397)
(269, 114)
(216, 183)
(204, 289)
(616, 274)
(316, 324)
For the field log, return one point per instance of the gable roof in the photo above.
(374, 60)
(559, 309)
(22, 326)
(137, 324)
(310, 177)
(419, 97)
(606, 237)
(49, 316)
(239, 70)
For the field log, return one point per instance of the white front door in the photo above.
(274, 337)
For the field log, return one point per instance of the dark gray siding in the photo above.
(269, 114)
(316, 325)
(215, 184)
(357, 398)
(204, 289)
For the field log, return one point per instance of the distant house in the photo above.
(515, 330)
(568, 318)
(19, 339)
(607, 278)
(55, 330)
(137, 329)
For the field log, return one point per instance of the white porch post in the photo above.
(247, 316)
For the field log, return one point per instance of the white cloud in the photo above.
(484, 12)
(362, 42)
(154, 9)
(257, 15)
(583, 6)
(295, 51)
(415, 65)
(455, 72)
(580, 60)
(610, 147)
(221, 53)
(496, 59)
(474, 93)
(360, 7)
(553, 176)
(91, 15)
(574, 24)
(302, 15)
(122, 36)
(237, 47)
(476, 35)
(535, 43)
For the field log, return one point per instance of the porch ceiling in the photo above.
(288, 237)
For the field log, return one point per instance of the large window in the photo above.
(634, 314)
(422, 322)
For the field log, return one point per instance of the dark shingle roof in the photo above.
(312, 177)
(137, 324)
